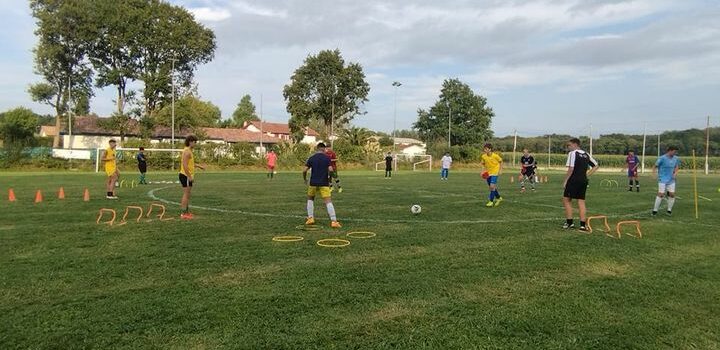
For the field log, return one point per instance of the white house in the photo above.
(412, 150)
(280, 131)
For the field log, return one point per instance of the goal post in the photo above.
(99, 153)
(423, 161)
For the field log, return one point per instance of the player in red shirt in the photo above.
(334, 173)
(271, 161)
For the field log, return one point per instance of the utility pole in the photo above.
(172, 110)
(643, 150)
(396, 84)
(707, 147)
(449, 123)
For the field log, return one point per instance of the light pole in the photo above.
(396, 84)
(449, 122)
(172, 109)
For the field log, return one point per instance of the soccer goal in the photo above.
(422, 162)
(155, 154)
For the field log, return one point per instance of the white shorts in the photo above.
(663, 187)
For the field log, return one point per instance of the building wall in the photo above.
(87, 142)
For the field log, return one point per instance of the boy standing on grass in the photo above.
(666, 169)
(576, 182)
(632, 164)
(142, 165)
(388, 165)
(446, 161)
(319, 182)
(187, 175)
(333, 172)
(492, 163)
(111, 170)
(271, 160)
(527, 161)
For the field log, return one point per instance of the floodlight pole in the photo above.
(643, 150)
(591, 145)
(261, 124)
(449, 122)
(514, 147)
(707, 147)
(396, 84)
(172, 109)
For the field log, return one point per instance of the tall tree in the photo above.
(244, 112)
(63, 31)
(357, 136)
(171, 44)
(190, 112)
(469, 115)
(323, 87)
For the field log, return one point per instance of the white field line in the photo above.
(152, 195)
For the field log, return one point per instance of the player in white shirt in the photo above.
(446, 162)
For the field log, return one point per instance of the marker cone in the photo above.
(38, 197)
(11, 195)
(61, 193)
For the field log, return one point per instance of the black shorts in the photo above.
(575, 189)
(184, 181)
(529, 173)
(142, 168)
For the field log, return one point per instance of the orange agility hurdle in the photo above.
(101, 214)
(608, 230)
(630, 222)
(161, 208)
(127, 211)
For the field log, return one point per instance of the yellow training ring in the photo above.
(288, 238)
(361, 234)
(333, 243)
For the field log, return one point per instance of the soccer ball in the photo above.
(415, 209)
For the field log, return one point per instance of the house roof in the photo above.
(238, 135)
(90, 125)
(49, 130)
(279, 128)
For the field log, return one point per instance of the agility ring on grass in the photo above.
(333, 243)
(308, 227)
(361, 234)
(288, 238)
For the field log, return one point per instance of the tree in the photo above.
(244, 112)
(357, 136)
(190, 112)
(63, 30)
(470, 119)
(170, 34)
(323, 87)
(18, 127)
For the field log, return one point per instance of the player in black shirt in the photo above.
(576, 181)
(388, 165)
(142, 165)
(527, 171)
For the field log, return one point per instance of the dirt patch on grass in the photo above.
(395, 310)
(605, 269)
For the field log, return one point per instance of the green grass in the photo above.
(459, 275)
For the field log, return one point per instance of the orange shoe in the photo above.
(335, 224)
(186, 216)
(310, 221)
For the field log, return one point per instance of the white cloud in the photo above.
(208, 14)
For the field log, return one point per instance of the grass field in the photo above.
(458, 275)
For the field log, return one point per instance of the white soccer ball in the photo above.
(415, 209)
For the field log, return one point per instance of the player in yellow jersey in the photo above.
(111, 171)
(493, 167)
(187, 175)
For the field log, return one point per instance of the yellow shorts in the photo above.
(324, 191)
(110, 171)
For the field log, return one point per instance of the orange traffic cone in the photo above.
(86, 195)
(38, 197)
(11, 195)
(61, 193)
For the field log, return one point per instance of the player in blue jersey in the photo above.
(666, 169)
(320, 166)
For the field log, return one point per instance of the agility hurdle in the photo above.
(609, 184)
(127, 212)
(608, 230)
(101, 214)
(630, 222)
(161, 208)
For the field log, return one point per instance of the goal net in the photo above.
(408, 162)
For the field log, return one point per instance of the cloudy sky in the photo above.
(544, 65)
